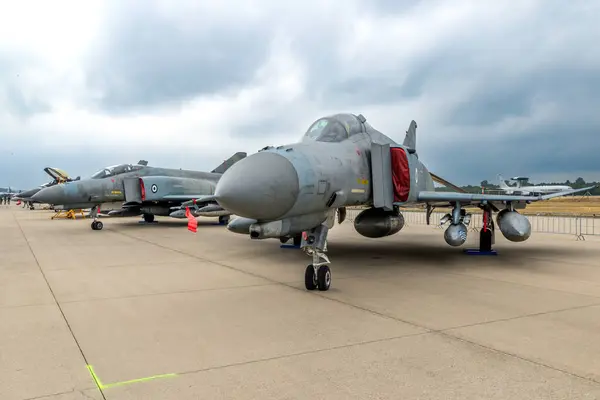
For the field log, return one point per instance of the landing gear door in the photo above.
(381, 171)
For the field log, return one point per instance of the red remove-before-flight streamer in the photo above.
(192, 223)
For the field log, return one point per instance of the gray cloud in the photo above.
(146, 60)
(548, 150)
(572, 89)
(16, 98)
(540, 69)
(21, 106)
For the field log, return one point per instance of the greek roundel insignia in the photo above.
(154, 188)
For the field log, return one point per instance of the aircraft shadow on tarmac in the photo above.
(366, 254)
(410, 255)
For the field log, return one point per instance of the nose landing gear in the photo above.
(96, 224)
(314, 244)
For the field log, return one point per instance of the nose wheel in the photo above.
(97, 225)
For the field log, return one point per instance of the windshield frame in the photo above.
(335, 128)
(333, 131)
(114, 170)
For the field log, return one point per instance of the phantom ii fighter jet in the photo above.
(293, 191)
(143, 189)
(57, 175)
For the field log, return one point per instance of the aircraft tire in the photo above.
(94, 226)
(99, 225)
(224, 219)
(310, 281)
(324, 278)
(149, 218)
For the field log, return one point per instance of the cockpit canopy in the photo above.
(116, 170)
(335, 128)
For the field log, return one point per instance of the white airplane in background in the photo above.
(530, 190)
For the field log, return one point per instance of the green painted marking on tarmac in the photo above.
(139, 380)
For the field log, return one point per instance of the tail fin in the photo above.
(503, 184)
(229, 162)
(410, 140)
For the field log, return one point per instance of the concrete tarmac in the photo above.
(225, 317)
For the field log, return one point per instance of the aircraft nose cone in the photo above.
(50, 195)
(263, 186)
(27, 193)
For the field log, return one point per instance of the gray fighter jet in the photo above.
(57, 175)
(293, 191)
(144, 190)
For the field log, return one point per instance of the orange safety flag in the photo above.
(192, 223)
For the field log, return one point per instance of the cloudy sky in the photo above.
(508, 87)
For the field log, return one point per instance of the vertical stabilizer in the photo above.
(229, 162)
(503, 184)
(410, 140)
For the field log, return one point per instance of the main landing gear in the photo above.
(223, 219)
(318, 274)
(149, 218)
(96, 224)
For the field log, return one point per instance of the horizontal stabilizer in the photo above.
(142, 162)
(444, 182)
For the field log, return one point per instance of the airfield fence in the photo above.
(579, 226)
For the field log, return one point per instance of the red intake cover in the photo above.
(400, 174)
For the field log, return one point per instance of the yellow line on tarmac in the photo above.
(139, 380)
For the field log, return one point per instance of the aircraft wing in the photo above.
(441, 199)
(198, 199)
(189, 199)
(200, 205)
